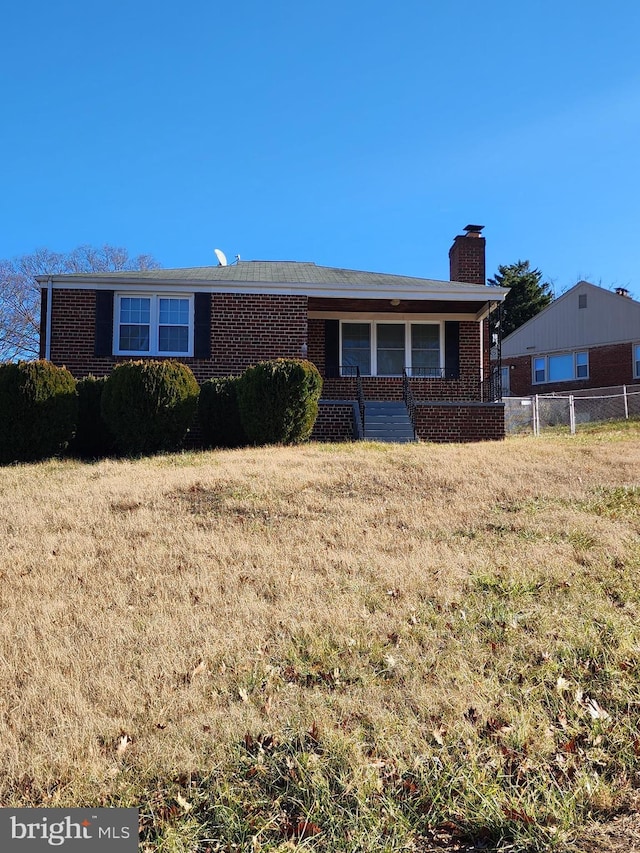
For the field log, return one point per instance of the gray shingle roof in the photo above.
(272, 272)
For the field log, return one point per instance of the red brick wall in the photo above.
(334, 422)
(73, 325)
(245, 329)
(467, 259)
(248, 328)
(608, 365)
(445, 422)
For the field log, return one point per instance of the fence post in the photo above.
(572, 415)
(626, 402)
(536, 416)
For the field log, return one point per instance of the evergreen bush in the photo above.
(218, 413)
(278, 401)
(149, 406)
(38, 410)
(93, 438)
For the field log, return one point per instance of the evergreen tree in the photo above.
(527, 296)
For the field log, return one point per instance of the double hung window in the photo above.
(153, 325)
(425, 349)
(390, 349)
(356, 349)
(387, 348)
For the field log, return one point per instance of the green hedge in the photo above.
(218, 413)
(278, 401)
(149, 406)
(93, 438)
(38, 410)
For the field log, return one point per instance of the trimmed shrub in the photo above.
(278, 401)
(218, 413)
(38, 410)
(93, 437)
(149, 405)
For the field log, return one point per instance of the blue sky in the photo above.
(355, 134)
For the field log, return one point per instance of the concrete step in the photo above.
(389, 408)
(397, 429)
(398, 417)
(390, 439)
(387, 421)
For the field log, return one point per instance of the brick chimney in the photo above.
(466, 256)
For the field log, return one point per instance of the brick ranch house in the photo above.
(417, 346)
(587, 338)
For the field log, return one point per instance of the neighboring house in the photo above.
(587, 338)
(374, 337)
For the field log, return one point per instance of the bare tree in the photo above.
(20, 293)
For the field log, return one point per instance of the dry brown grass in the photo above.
(154, 611)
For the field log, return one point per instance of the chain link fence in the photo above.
(541, 411)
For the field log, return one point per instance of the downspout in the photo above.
(47, 346)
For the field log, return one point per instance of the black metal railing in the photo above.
(491, 387)
(352, 371)
(342, 371)
(409, 399)
(429, 373)
(470, 387)
(360, 395)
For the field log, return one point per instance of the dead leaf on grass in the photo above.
(185, 804)
(302, 829)
(438, 735)
(517, 815)
(123, 743)
(199, 669)
(595, 711)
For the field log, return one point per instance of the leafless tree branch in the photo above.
(20, 293)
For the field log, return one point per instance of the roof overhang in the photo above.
(472, 296)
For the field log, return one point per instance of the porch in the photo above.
(433, 408)
(429, 356)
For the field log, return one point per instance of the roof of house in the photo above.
(284, 277)
(600, 317)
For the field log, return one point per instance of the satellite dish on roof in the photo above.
(220, 255)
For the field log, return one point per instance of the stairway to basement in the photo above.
(385, 421)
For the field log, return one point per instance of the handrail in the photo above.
(360, 394)
(486, 390)
(491, 387)
(409, 399)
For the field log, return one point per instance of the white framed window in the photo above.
(153, 324)
(582, 365)
(636, 361)
(386, 348)
(564, 367)
(505, 379)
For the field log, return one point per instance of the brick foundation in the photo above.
(335, 421)
(460, 422)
